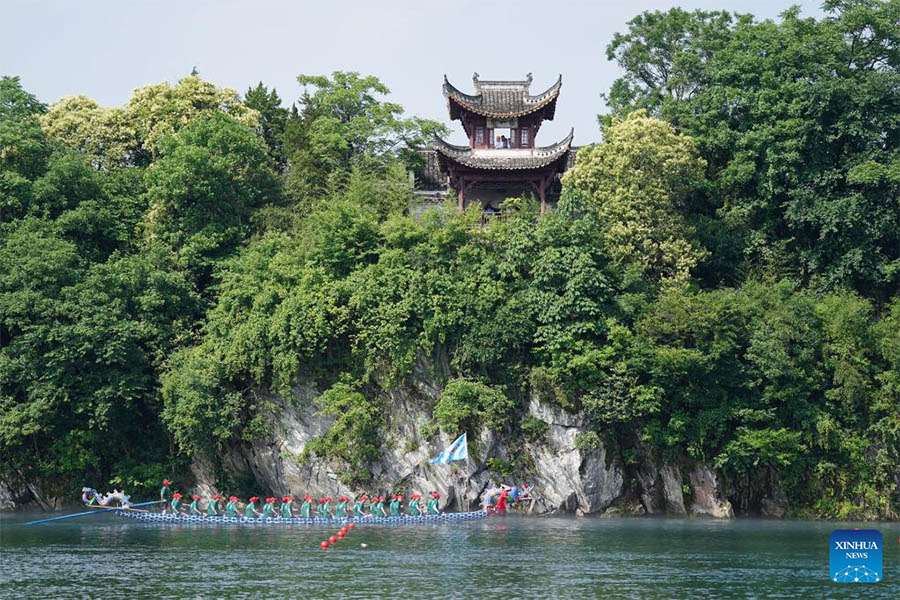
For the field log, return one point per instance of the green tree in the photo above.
(272, 119)
(664, 56)
(797, 123)
(212, 175)
(107, 137)
(637, 180)
(81, 346)
(133, 134)
(343, 122)
(24, 149)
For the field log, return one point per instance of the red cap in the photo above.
(166, 482)
(195, 497)
(269, 500)
(232, 498)
(328, 499)
(176, 495)
(254, 498)
(436, 495)
(217, 497)
(321, 500)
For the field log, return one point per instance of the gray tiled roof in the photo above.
(502, 99)
(507, 159)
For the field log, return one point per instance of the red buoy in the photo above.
(351, 526)
(332, 539)
(341, 534)
(343, 530)
(323, 545)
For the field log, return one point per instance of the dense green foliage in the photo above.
(798, 123)
(718, 283)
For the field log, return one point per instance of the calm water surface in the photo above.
(504, 558)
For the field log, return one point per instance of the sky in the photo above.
(107, 49)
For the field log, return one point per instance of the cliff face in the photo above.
(567, 479)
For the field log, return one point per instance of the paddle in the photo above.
(90, 512)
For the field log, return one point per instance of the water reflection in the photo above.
(509, 558)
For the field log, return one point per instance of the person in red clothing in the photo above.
(500, 507)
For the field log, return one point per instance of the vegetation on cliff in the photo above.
(720, 280)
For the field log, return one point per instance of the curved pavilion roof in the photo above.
(501, 99)
(502, 159)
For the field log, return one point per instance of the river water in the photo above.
(499, 557)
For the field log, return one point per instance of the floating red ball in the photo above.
(332, 539)
(323, 545)
(341, 534)
(351, 526)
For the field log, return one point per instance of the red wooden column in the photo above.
(543, 193)
(544, 184)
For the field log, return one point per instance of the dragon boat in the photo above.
(153, 517)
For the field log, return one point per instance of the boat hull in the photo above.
(151, 517)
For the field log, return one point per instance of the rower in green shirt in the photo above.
(325, 508)
(359, 507)
(306, 507)
(378, 509)
(286, 511)
(434, 504)
(395, 505)
(250, 511)
(212, 505)
(176, 502)
(164, 494)
(231, 509)
(194, 508)
(268, 509)
(340, 510)
(413, 507)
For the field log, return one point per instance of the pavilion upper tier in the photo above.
(501, 100)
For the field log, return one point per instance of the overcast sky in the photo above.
(106, 49)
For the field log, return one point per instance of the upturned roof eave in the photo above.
(472, 103)
(539, 158)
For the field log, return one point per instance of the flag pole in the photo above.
(466, 488)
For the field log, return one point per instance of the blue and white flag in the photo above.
(458, 450)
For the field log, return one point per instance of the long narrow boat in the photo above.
(402, 520)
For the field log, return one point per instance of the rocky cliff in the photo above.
(567, 479)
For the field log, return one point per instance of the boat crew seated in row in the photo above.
(362, 506)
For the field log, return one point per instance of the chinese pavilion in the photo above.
(494, 167)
